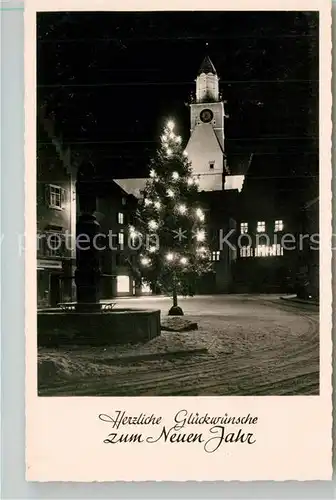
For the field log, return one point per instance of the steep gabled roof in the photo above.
(207, 66)
(132, 186)
(204, 137)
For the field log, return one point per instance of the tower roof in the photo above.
(207, 66)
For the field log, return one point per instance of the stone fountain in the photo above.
(88, 321)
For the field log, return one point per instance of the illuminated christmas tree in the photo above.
(170, 224)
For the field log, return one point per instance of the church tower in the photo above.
(205, 148)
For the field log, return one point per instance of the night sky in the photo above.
(112, 79)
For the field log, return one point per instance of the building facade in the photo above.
(307, 282)
(262, 261)
(219, 208)
(115, 214)
(55, 216)
(264, 250)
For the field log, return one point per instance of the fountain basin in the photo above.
(55, 327)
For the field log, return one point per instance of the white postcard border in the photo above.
(64, 438)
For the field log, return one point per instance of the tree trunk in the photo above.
(175, 310)
(174, 295)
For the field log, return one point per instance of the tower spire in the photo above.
(207, 66)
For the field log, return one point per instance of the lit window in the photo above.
(120, 218)
(272, 250)
(268, 251)
(215, 255)
(261, 251)
(278, 226)
(244, 227)
(261, 227)
(123, 284)
(121, 238)
(246, 251)
(276, 250)
(211, 165)
(55, 196)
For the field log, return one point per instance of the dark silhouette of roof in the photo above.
(239, 164)
(207, 66)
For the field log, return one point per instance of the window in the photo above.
(246, 251)
(121, 238)
(211, 165)
(55, 196)
(215, 255)
(269, 251)
(261, 227)
(120, 218)
(276, 250)
(123, 201)
(54, 244)
(244, 227)
(123, 284)
(278, 226)
(261, 251)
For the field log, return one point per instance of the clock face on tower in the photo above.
(206, 115)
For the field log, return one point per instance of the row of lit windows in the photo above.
(259, 251)
(262, 251)
(261, 226)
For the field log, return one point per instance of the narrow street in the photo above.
(256, 345)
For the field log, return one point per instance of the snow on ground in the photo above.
(241, 340)
(90, 361)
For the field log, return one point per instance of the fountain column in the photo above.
(87, 274)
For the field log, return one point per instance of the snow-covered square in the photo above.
(244, 345)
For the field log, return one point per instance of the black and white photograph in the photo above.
(177, 203)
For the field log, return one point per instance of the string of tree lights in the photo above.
(170, 229)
